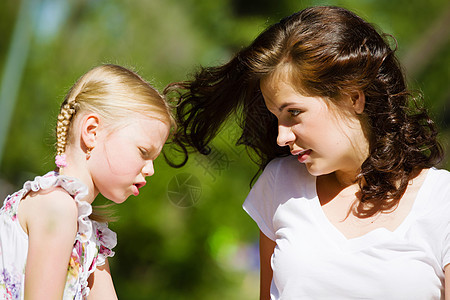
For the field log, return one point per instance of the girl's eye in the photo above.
(144, 152)
(294, 112)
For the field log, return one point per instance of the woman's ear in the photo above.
(359, 101)
(89, 128)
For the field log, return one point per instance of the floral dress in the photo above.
(92, 245)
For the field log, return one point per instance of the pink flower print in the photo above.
(12, 285)
(7, 207)
(105, 251)
(79, 248)
(75, 259)
(101, 239)
(93, 264)
(74, 266)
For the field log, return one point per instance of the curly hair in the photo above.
(330, 52)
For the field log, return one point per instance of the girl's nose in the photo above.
(148, 169)
(285, 136)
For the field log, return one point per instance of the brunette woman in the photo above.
(350, 204)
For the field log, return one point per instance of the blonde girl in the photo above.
(111, 127)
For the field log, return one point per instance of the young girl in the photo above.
(111, 127)
(349, 204)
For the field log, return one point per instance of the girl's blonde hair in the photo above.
(113, 92)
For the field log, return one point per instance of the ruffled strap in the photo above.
(94, 240)
(75, 188)
(96, 251)
(106, 240)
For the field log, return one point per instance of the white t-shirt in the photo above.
(314, 260)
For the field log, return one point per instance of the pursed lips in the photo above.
(138, 186)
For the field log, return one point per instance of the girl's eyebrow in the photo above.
(149, 148)
(151, 151)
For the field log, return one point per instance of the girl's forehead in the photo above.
(135, 123)
(143, 129)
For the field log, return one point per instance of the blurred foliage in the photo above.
(205, 246)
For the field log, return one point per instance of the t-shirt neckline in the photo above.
(375, 236)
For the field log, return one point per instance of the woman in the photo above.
(349, 204)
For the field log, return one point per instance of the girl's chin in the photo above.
(118, 200)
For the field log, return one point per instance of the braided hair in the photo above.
(112, 92)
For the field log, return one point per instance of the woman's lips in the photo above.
(302, 156)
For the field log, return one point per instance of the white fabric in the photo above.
(313, 260)
(92, 245)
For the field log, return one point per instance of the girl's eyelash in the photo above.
(147, 153)
(143, 152)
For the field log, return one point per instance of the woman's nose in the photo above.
(148, 169)
(285, 135)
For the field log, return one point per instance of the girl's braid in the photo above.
(62, 127)
(68, 109)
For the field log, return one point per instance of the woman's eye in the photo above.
(294, 112)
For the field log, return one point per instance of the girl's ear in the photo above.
(359, 102)
(89, 129)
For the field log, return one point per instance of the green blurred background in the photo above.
(185, 236)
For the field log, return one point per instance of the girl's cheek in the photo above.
(121, 160)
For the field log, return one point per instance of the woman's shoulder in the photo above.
(287, 166)
(438, 179)
(285, 175)
(441, 172)
(435, 192)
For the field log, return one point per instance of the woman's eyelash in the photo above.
(294, 112)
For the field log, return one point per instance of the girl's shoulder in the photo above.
(53, 199)
(53, 207)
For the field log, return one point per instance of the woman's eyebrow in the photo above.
(283, 106)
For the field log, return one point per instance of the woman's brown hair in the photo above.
(330, 52)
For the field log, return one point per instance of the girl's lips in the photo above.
(135, 190)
